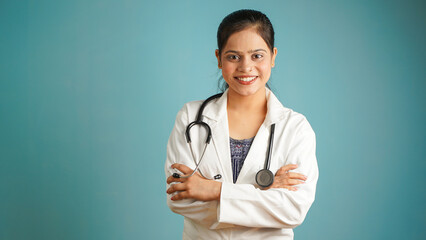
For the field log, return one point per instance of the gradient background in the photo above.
(89, 92)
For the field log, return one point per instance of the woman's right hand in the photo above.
(285, 179)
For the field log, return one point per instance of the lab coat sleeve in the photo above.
(178, 151)
(245, 205)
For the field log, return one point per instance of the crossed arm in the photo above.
(199, 188)
(220, 205)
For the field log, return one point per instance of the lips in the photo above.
(246, 80)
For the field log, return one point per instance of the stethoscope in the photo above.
(264, 177)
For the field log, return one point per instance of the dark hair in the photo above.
(239, 21)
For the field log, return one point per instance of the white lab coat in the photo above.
(244, 210)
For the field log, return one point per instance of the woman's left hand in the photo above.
(195, 187)
(285, 179)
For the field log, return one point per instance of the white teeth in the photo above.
(246, 79)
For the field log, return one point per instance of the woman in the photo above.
(222, 199)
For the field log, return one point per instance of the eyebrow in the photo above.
(251, 51)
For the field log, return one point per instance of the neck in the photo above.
(252, 103)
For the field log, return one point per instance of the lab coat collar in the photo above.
(215, 114)
(217, 109)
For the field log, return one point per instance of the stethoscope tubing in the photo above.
(264, 177)
(199, 121)
(197, 165)
(271, 143)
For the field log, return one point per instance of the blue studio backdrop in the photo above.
(89, 91)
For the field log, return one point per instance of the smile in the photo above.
(246, 80)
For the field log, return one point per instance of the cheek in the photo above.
(265, 68)
(227, 70)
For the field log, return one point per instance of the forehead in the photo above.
(245, 40)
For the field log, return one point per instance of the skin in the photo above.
(245, 55)
(285, 179)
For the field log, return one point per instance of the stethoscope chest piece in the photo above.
(264, 178)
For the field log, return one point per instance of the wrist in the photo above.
(218, 190)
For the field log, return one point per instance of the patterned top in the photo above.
(239, 151)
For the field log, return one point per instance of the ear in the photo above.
(274, 54)
(219, 63)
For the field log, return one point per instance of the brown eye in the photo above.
(257, 56)
(233, 57)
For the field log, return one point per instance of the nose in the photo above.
(245, 65)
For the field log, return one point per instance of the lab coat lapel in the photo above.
(220, 135)
(256, 157)
(217, 118)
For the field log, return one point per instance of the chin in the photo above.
(246, 91)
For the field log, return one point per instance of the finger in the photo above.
(280, 183)
(275, 185)
(171, 179)
(294, 182)
(180, 196)
(294, 175)
(286, 168)
(290, 188)
(284, 182)
(176, 187)
(183, 168)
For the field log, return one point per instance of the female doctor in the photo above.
(222, 199)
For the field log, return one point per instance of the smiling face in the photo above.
(246, 62)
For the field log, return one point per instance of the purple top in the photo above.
(239, 151)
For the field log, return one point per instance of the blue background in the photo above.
(90, 89)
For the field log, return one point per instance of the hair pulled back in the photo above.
(239, 21)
